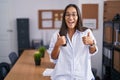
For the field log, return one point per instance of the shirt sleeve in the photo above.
(51, 46)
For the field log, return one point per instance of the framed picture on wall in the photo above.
(90, 15)
(50, 19)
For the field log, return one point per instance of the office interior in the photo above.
(13, 10)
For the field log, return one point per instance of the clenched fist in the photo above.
(61, 40)
(87, 40)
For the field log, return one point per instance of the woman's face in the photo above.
(71, 17)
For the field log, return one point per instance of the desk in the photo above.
(25, 69)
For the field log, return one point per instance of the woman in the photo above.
(71, 48)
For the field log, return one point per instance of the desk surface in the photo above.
(25, 68)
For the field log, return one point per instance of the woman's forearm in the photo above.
(55, 52)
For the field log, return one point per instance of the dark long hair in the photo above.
(79, 25)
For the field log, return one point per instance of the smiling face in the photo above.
(71, 17)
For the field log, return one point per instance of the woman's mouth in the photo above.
(71, 23)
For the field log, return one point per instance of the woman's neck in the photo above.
(70, 33)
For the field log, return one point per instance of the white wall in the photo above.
(8, 40)
(29, 9)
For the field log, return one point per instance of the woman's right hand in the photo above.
(61, 40)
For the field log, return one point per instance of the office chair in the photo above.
(4, 69)
(13, 58)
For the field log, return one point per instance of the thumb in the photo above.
(88, 34)
(58, 35)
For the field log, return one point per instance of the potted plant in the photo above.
(37, 58)
(42, 50)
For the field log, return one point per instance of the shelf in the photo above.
(115, 75)
(117, 48)
(108, 45)
(111, 52)
(106, 61)
(111, 8)
(111, 41)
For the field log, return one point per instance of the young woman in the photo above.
(71, 48)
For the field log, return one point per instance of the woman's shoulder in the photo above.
(85, 29)
(88, 30)
(54, 35)
(55, 32)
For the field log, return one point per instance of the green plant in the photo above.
(42, 50)
(37, 58)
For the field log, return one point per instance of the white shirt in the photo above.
(74, 61)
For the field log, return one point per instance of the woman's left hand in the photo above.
(87, 40)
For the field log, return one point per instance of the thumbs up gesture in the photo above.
(87, 40)
(61, 40)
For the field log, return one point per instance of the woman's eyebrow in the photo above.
(71, 12)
